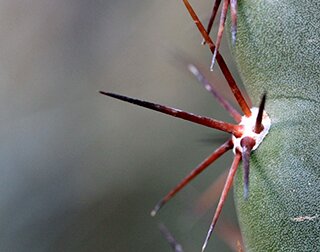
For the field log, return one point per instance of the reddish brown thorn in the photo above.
(247, 144)
(227, 186)
(199, 25)
(225, 70)
(228, 232)
(233, 86)
(259, 127)
(176, 247)
(221, 29)
(201, 167)
(202, 120)
(208, 86)
(234, 17)
(212, 17)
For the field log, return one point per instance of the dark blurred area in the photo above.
(81, 171)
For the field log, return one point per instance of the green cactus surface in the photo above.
(277, 51)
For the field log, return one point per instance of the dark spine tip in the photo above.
(259, 127)
(117, 96)
(104, 93)
(202, 120)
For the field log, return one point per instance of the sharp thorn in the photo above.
(228, 145)
(202, 120)
(212, 17)
(247, 144)
(259, 127)
(224, 68)
(220, 31)
(207, 238)
(227, 186)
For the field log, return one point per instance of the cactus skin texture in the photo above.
(277, 50)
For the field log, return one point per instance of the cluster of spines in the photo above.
(233, 5)
(247, 143)
(236, 130)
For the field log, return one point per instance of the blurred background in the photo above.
(81, 171)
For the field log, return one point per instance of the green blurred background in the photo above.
(80, 171)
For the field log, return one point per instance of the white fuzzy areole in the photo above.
(249, 124)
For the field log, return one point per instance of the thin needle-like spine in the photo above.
(202, 120)
(201, 167)
(227, 186)
(212, 17)
(225, 70)
(246, 169)
(223, 17)
(209, 87)
(258, 126)
(247, 144)
(234, 20)
(237, 131)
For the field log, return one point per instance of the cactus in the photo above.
(275, 46)
(277, 50)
